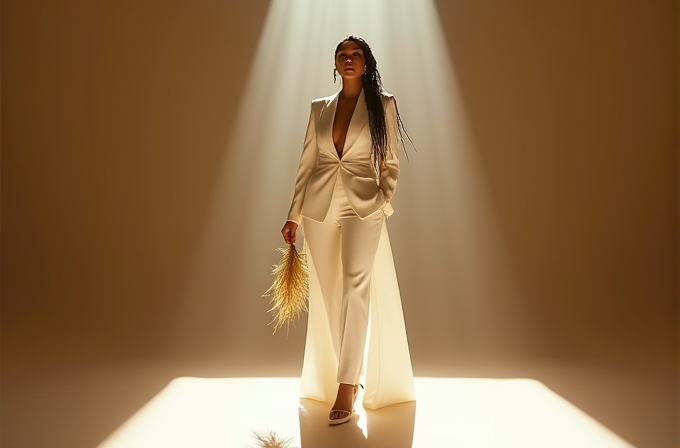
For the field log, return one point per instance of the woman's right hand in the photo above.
(288, 232)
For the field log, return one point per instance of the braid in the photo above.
(373, 92)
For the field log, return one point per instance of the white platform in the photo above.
(461, 413)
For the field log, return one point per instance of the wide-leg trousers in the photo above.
(343, 247)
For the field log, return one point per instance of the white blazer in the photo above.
(320, 164)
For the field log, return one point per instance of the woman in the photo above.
(346, 178)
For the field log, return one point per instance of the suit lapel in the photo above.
(326, 125)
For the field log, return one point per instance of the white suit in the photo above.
(342, 208)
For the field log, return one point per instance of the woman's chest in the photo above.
(342, 118)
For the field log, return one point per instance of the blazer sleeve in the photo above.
(308, 161)
(389, 169)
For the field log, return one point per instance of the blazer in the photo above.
(367, 190)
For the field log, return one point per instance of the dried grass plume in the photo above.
(290, 288)
(269, 439)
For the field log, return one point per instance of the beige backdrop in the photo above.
(117, 119)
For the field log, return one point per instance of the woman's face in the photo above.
(350, 61)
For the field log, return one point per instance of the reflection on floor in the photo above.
(469, 413)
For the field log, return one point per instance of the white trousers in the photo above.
(343, 247)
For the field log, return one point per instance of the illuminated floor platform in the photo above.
(466, 413)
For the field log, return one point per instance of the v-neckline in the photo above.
(349, 124)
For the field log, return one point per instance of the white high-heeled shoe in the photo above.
(348, 417)
(340, 421)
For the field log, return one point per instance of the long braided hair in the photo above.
(373, 92)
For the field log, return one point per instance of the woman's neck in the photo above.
(351, 88)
